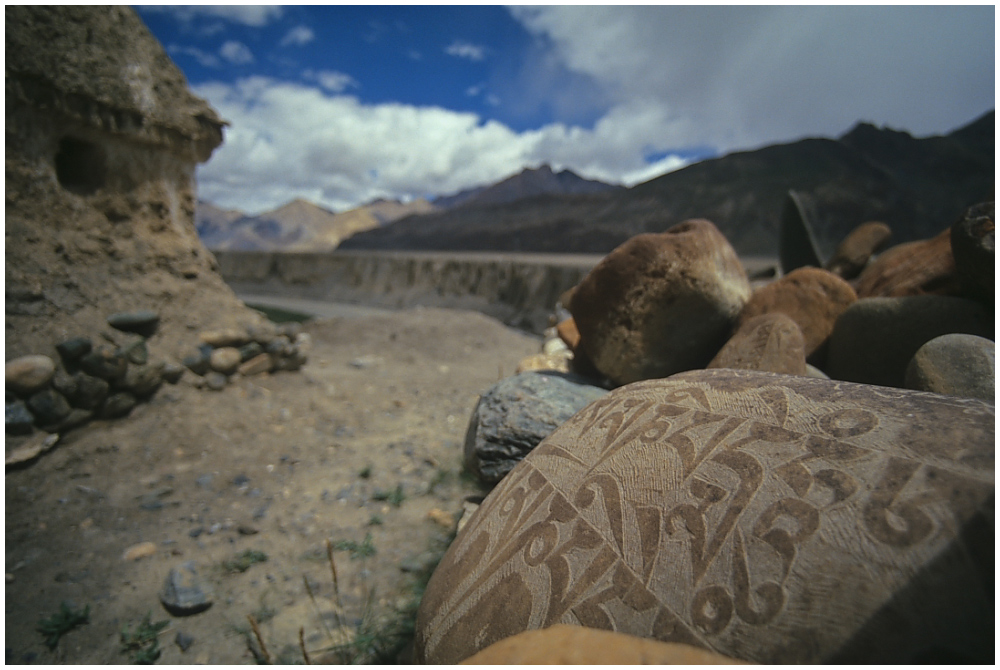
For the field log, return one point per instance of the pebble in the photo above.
(257, 365)
(91, 392)
(70, 351)
(248, 351)
(104, 362)
(197, 362)
(172, 372)
(183, 640)
(216, 381)
(183, 591)
(29, 374)
(117, 405)
(225, 360)
(48, 407)
(442, 518)
(955, 364)
(37, 444)
(18, 419)
(137, 551)
(143, 381)
(141, 321)
(229, 337)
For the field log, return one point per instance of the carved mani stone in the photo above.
(764, 517)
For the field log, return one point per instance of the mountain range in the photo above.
(916, 185)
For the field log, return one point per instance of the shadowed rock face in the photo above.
(769, 518)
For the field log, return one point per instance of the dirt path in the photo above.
(362, 446)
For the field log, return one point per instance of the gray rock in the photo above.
(136, 352)
(248, 351)
(973, 243)
(76, 418)
(956, 364)
(225, 360)
(183, 591)
(118, 405)
(105, 362)
(815, 372)
(197, 362)
(73, 350)
(18, 419)
(143, 380)
(183, 640)
(172, 372)
(216, 381)
(49, 407)
(91, 392)
(28, 374)
(66, 384)
(875, 338)
(516, 414)
(796, 245)
(142, 321)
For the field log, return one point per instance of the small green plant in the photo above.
(143, 643)
(65, 620)
(375, 520)
(394, 497)
(363, 550)
(244, 560)
(365, 472)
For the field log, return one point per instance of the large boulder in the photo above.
(925, 267)
(769, 518)
(854, 252)
(973, 243)
(875, 338)
(660, 303)
(813, 298)
(769, 343)
(516, 414)
(956, 364)
(797, 245)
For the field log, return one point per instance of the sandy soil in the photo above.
(275, 463)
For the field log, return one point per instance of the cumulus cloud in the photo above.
(236, 53)
(735, 77)
(289, 140)
(461, 49)
(298, 36)
(247, 15)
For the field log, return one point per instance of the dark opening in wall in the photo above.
(80, 166)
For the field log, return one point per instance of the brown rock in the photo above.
(228, 337)
(925, 267)
(770, 518)
(769, 343)
(813, 298)
(568, 332)
(28, 374)
(857, 248)
(660, 303)
(225, 360)
(574, 645)
(257, 365)
(137, 551)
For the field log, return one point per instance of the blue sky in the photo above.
(344, 104)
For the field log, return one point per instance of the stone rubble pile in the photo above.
(799, 473)
(89, 379)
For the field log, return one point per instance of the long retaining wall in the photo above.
(519, 289)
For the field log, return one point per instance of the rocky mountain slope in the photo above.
(527, 183)
(297, 226)
(916, 185)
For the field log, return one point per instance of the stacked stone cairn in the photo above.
(791, 471)
(90, 378)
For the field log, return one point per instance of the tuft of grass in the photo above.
(394, 497)
(60, 623)
(244, 560)
(375, 520)
(365, 472)
(363, 550)
(143, 642)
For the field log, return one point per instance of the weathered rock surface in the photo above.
(813, 298)
(516, 414)
(973, 243)
(926, 267)
(853, 254)
(28, 374)
(875, 338)
(771, 518)
(184, 593)
(660, 303)
(957, 364)
(769, 343)
(797, 245)
(575, 645)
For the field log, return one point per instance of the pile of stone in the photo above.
(104, 379)
(800, 473)
(246, 352)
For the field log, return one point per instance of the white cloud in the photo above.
(331, 80)
(473, 91)
(298, 36)
(204, 58)
(738, 77)
(247, 15)
(461, 49)
(288, 140)
(236, 53)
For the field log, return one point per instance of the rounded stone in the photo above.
(28, 374)
(813, 298)
(106, 363)
(956, 364)
(770, 518)
(517, 413)
(118, 405)
(229, 337)
(216, 381)
(660, 303)
(225, 360)
(197, 362)
(90, 391)
(875, 338)
(183, 592)
(143, 380)
(172, 372)
(49, 407)
(18, 419)
(251, 350)
(925, 267)
(259, 364)
(854, 252)
(143, 321)
(72, 350)
(769, 343)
